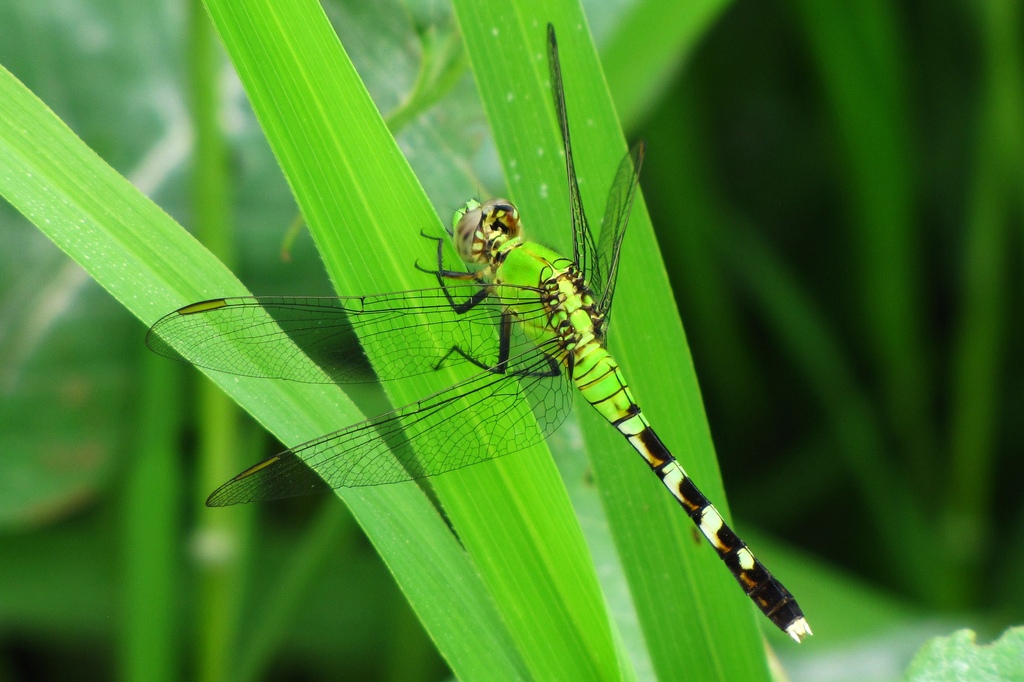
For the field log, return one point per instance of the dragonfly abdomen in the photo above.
(604, 387)
(774, 600)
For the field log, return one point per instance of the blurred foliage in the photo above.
(958, 657)
(838, 194)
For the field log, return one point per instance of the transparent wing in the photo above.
(408, 332)
(613, 227)
(486, 416)
(583, 249)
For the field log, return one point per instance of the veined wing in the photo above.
(583, 248)
(486, 416)
(406, 332)
(613, 227)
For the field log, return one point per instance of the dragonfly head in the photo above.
(480, 230)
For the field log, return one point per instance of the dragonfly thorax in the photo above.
(485, 232)
(572, 313)
(571, 317)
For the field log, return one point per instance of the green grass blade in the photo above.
(679, 586)
(150, 264)
(366, 212)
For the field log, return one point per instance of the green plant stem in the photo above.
(221, 533)
(982, 332)
(151, 583)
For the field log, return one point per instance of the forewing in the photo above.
(406, 332)
(583, 249)
(486, 416)
(616, 217)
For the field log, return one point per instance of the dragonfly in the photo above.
(531, 324)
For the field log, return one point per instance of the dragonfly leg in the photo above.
(504, 344)
(442, 275)
(553, 369)
(501, 366)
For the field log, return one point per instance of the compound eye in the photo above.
(502, 216)
(465, 224)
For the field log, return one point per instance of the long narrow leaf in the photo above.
(692, 613)
(367, 214)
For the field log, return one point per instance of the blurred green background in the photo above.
(837, 189)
